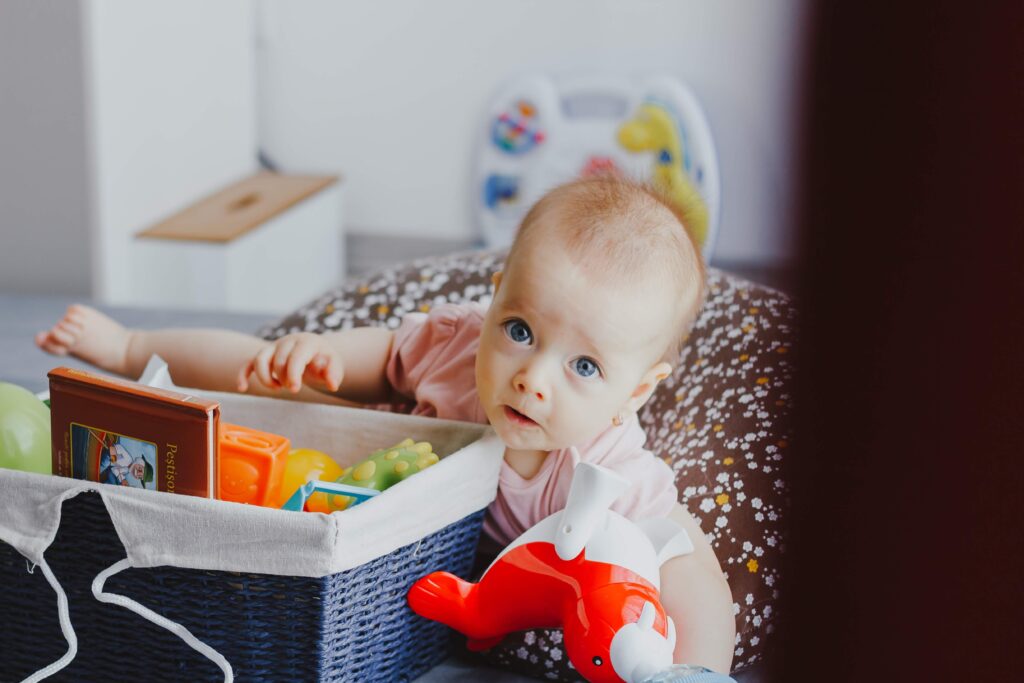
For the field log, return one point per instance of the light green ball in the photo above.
(24, 430)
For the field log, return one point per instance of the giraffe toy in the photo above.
(653, 129)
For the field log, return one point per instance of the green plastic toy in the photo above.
(385, 468)
(24, 430)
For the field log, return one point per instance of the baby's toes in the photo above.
(68, 334)
(81, 314)
(78, 310)
(64, 335)
(72, 327)
(46, 342)
(75, 314)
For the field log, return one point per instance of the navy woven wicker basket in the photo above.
(350, 626)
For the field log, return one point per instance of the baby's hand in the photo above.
(293, 360)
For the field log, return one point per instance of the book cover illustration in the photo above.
(112, 458)
(124, 433)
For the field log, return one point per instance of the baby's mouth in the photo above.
(517, 418)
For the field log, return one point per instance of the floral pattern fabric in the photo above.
(722, 422)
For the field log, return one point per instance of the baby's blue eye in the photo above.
(585, 367)
(518, 331)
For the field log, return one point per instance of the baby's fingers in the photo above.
(243, 375)
(301, 356)
(242, 379)
(326, 368)
(333, 372)
(279, 363)
(261, 366)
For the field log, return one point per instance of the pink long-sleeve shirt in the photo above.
(432, 363)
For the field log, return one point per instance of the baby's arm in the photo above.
(349, 365)
(201, 358)
(204, 359)
(696, 595)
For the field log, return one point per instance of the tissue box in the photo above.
(281, 595)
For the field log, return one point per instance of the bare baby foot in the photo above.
(89, 335)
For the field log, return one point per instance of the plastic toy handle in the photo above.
(593, 490)
(298, 499)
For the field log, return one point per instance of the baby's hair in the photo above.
(625, 229)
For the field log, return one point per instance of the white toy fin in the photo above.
(593, 490)
(638, 651)
(647, 614)
(668, 538)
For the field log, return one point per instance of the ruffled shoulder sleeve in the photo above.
(427, 342)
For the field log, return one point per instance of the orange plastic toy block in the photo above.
(251, 464)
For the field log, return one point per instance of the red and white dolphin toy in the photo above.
(585, 569)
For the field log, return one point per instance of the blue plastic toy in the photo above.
(298, 500)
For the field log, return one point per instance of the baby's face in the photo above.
(563, 350)
(138, 469)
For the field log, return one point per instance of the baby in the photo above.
(599, 287)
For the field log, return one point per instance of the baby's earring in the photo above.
(617, 420)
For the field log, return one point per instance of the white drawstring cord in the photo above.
(65, 627)
(146, 613)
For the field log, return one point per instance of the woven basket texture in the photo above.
(350, 626)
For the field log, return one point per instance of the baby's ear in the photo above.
(648, 383)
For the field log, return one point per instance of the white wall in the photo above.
(44, 198)
(392, 93)
(172, 112)
(114, 114)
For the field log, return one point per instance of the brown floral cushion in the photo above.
(722, 422)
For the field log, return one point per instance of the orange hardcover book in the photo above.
(120, 432)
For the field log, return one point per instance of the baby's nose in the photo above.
(526, 388)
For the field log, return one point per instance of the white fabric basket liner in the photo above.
(159, 528)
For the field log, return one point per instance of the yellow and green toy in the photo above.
(303, 465)
(384, 468)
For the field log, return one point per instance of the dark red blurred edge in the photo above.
(904, 554)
